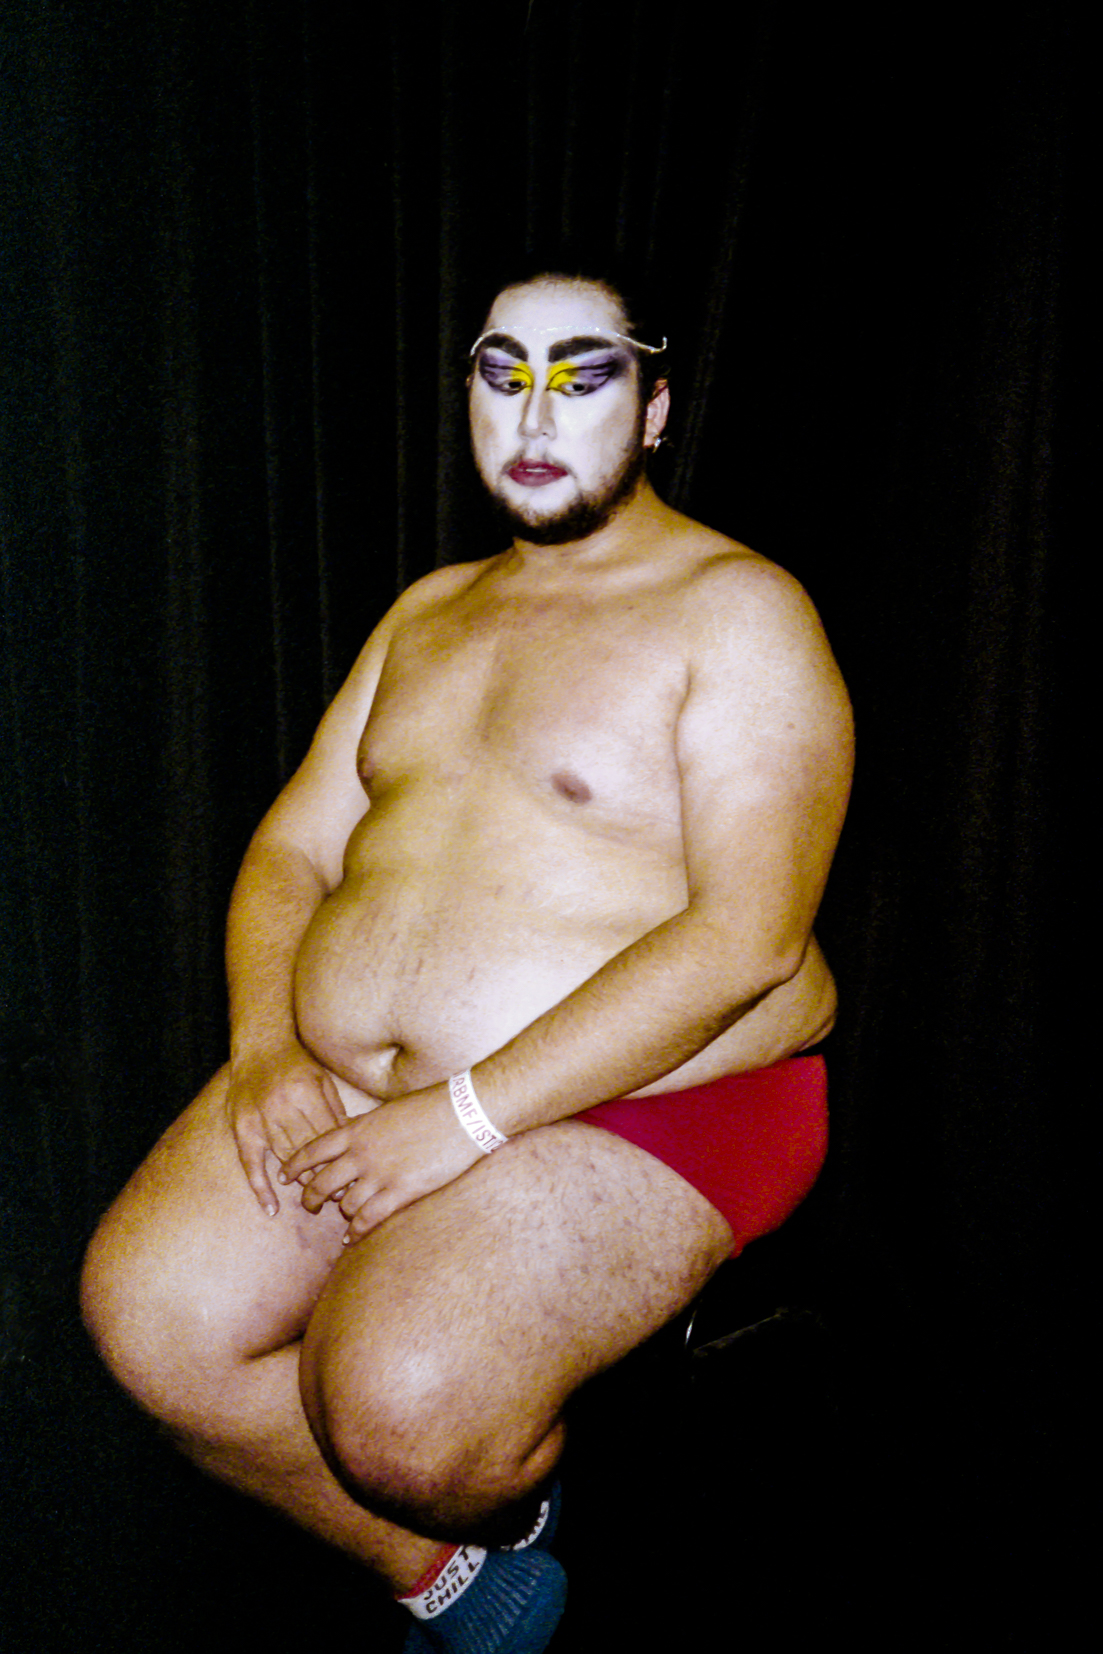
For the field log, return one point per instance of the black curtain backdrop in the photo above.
(245, 249)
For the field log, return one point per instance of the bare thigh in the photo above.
(487, 1303)
(475, 1312)
(187, 1277)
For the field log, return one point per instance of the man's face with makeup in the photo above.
(557, 415)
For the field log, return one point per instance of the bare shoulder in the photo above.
(440, 586)
(728, 584)
(420, 598)
(758, 658)
(737, 604)
(322, 803)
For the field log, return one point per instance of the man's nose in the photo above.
(537, 417)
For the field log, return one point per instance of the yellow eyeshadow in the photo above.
(521, 371)
(562, 376)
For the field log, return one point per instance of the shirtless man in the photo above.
(566, 826)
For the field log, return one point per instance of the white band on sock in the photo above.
(452, 1580)
(470, 1114)
(535, 1531)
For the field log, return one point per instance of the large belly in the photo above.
(431, 954)
(406, 976)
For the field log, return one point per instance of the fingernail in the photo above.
(281, 1177)
(271, 1210)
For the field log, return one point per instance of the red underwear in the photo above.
(752, 1144)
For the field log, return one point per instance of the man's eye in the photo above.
(507, 377)
(570, 380)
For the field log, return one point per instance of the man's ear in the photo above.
(658, 410)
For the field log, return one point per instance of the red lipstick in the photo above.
(535, 473)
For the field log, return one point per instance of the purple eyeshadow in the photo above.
(597, 373)
(500, 373)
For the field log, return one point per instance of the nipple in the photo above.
(571, 787)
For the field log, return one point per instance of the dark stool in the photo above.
(699, 1470)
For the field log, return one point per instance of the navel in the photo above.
(571, 787)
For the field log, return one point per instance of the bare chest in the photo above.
(577, 705)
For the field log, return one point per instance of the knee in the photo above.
(378, 1421)
(112, 1302)
(402, 1437)
(107, 1301)
(133, 1316)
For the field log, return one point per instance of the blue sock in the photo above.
(542, 1532)
(510, 1604)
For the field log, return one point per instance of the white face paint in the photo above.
(556, 417)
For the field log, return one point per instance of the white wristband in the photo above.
(470, 1114)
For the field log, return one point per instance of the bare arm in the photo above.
(764, 748)
(279, 1096)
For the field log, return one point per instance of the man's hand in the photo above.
(380, 1162)
(278, 1100)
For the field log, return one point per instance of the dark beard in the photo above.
(579, 520)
